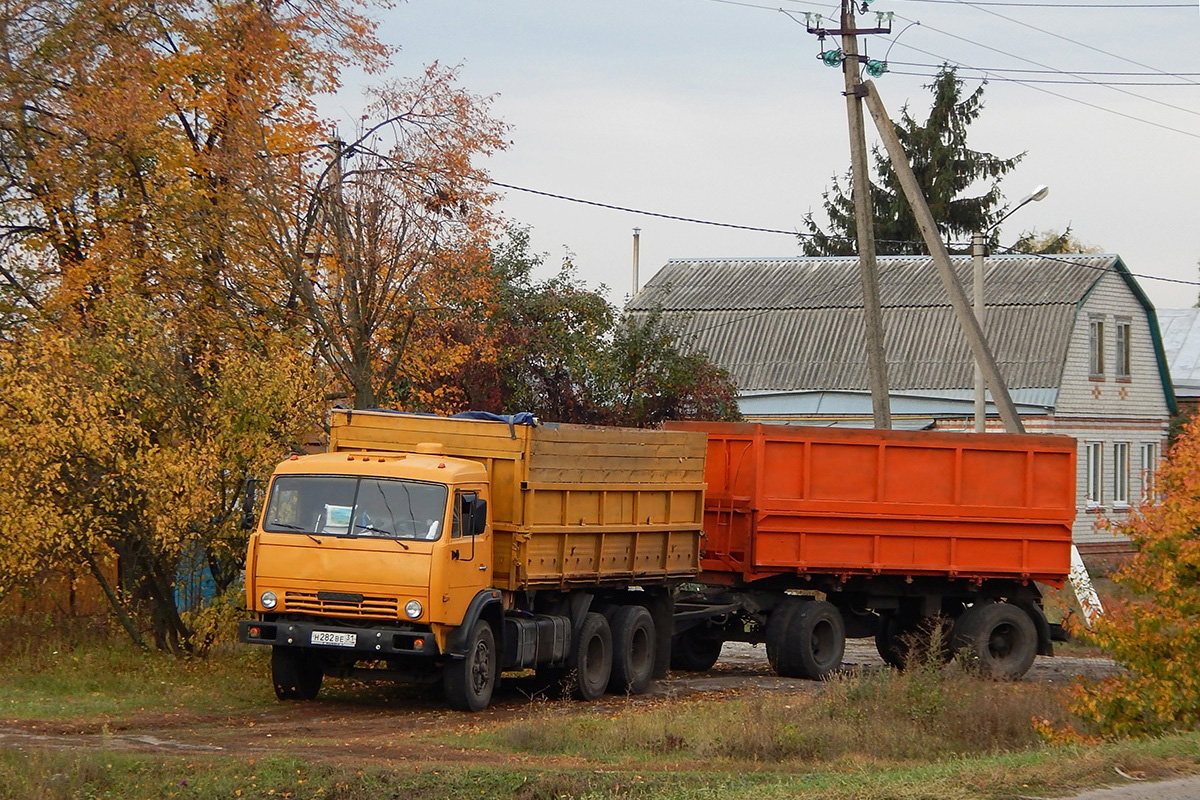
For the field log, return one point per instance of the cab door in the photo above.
(468, 556)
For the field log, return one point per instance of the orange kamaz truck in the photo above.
(451, 551)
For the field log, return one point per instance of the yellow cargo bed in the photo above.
(571, 505)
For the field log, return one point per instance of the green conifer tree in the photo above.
(944, 166)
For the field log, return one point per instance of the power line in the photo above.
(1038, 80)
(678, 218)
(1044, 66)
(1057, 5)
(1068, 98)
(1065, 39)
(1037, 71)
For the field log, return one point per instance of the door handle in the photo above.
(483, 567)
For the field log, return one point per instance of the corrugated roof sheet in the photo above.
(779, 324)
(1180, 329)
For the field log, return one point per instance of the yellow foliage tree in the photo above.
(120, 445)
(1156, 634)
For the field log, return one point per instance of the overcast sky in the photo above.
(721, 111)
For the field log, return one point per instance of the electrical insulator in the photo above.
(832, 58)
(876, 68)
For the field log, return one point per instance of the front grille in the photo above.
(343, 606)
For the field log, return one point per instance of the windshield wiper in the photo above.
(291, 527)
(387, 534)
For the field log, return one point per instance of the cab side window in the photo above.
(470, 513)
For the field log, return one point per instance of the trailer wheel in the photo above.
(295, 673)
(593, 659)
(901, 639)
(998, 639)
(633, 641)
(776, 633)
(691, 651)
(813, 641)
(469, 680)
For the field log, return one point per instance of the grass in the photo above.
(103, 776)
(53, 671)
(918, 715)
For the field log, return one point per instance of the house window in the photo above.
(1149, 468)
(1096, 347)
(1121, 474)
(1124, 330)
(1095, 474)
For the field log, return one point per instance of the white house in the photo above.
(1075, 338)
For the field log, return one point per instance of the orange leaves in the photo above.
(1156, 635)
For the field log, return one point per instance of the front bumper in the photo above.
(377, 642)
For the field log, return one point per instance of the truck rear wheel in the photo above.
(998, 639)
(593, 659)
(295, 673)
(692, 651)
(469, 680)
(810, 641)
(633, 641)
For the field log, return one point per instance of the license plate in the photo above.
(336, 639)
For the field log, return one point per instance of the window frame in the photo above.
(1120, 474)
(1094, 472)
(1096, 347)
(1149, 456)
(1123, 363)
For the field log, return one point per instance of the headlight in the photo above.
(413, 609)
(268, 600)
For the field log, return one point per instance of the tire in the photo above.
(812, 642)
(470, 680)
(634, 644)
(592, 657)
(900, 639)
(691, 651)
(776, 633)
(295, 673)
(997, 639)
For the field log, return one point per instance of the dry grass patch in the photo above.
(880, 715)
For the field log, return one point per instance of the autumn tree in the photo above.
(1155, 635)
(945, 167)
(383, 248)
(146, 367)
(1051, 242)
(566, 354)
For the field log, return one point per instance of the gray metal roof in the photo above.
(1181, 340)
(779, 324)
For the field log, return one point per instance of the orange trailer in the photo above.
(888, 531)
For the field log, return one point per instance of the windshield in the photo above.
(349, 506)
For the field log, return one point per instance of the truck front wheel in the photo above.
(295, 673)
(469, 680)
(998, 639)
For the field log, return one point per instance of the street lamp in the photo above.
(978, 250)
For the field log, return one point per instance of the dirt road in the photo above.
(398, 723)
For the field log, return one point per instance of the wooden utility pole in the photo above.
(941, 259)
(864, 216)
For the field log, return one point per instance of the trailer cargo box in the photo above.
(572, 505)
(851, 502)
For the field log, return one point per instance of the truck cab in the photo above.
(365, 556)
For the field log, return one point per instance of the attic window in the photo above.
(1096, 348)
(1124, 336)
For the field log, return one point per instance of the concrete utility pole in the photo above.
(941, 259)
(864, 219)
(637, 236)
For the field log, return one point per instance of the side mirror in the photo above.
(249, 494)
